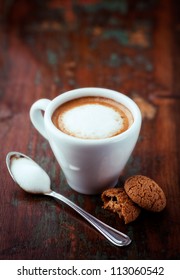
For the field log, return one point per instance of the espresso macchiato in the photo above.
(92, 117)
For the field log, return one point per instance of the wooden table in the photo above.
(49, 47)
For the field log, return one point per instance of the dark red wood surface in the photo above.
(49, 47)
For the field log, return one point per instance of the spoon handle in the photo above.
(114, 236)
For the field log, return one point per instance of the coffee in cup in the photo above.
(106, 126)
(92, 117)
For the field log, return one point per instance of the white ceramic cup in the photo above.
(90, 166)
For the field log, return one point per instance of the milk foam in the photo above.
(92, 117)
(92, 121)
(30, 176)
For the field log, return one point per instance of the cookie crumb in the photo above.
(116, 200)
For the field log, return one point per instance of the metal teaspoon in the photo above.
(114, 236)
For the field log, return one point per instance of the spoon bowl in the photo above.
(114, 236)
(9, 158)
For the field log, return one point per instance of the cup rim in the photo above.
(92, 91)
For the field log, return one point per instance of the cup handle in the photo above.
(36, 115)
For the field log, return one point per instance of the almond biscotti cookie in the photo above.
(145, 192)
(116, 200)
